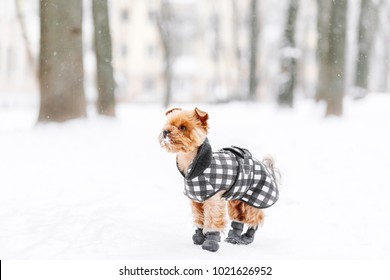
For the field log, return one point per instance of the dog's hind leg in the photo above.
(236, 214)
(254, 218)
(197, 210)
(249, 236)
(241, 213)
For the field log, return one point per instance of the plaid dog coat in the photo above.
(234, 171)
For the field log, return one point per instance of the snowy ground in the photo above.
(104, 189)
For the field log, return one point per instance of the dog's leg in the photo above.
(236, 214)
(214, 221)
(253, 217)
(212, 240)
(241, 213)
(197, 211)
(234, 234)
(249, 236)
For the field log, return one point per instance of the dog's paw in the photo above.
(233, 240)
(198, 238)
(234, 235)
(249, 236)
(210, 245)
(245, 239)
(211, 242)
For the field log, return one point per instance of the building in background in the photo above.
(205, 64)
(205, 67)
(211, 52)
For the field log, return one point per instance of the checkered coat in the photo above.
(234, 171)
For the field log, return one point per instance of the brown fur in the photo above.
(197, 211)
(244, 213)
(214, 215)
(188, 139)
(186, 131)
(236, 210)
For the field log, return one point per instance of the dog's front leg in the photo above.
(198, 213)
(214, 211)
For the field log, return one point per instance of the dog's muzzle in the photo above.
(165, 139)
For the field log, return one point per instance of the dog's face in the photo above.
(184, 131)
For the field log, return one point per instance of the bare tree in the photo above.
(61, 72)
(334, 77)
(103, 49)
(237, 49)
(253, 44)
(164, 23)
(27, 43)
(367, 29)
(216, 49)
(235, 29)
(323, 19)
(289, 58)
(384, 17)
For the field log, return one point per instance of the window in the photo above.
(124, 50)
(149, 84)
(11, 62)
(151, 51)
(152, 14)
(125, 15)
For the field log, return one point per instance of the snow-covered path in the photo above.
(104, 189)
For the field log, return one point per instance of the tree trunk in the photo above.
(367, 29)
(289, 58)
(105, 72)
(163, 21)
(254, 32)
(236, 48)
(384, 23)
(335, 77)
(61, 73)
(386, 64)
(168, 80)
(216, 54)
(323, 19)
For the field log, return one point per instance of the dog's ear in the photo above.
(170, 111)
(202, 116)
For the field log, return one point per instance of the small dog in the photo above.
(212, 178)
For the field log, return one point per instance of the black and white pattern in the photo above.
(235, 171)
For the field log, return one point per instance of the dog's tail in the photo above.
(269, 161)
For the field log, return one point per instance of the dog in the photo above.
(212, 179)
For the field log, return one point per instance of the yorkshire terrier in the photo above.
(211, 179)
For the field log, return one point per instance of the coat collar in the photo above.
(201, 161)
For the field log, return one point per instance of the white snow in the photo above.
(105, 189)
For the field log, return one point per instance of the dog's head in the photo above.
(184, 131)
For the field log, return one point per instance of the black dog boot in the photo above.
(249, 236)
(198, 237)
(234, 235)
(211, 242)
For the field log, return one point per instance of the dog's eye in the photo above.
(183, 128)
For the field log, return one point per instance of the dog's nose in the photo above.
(165, 133)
